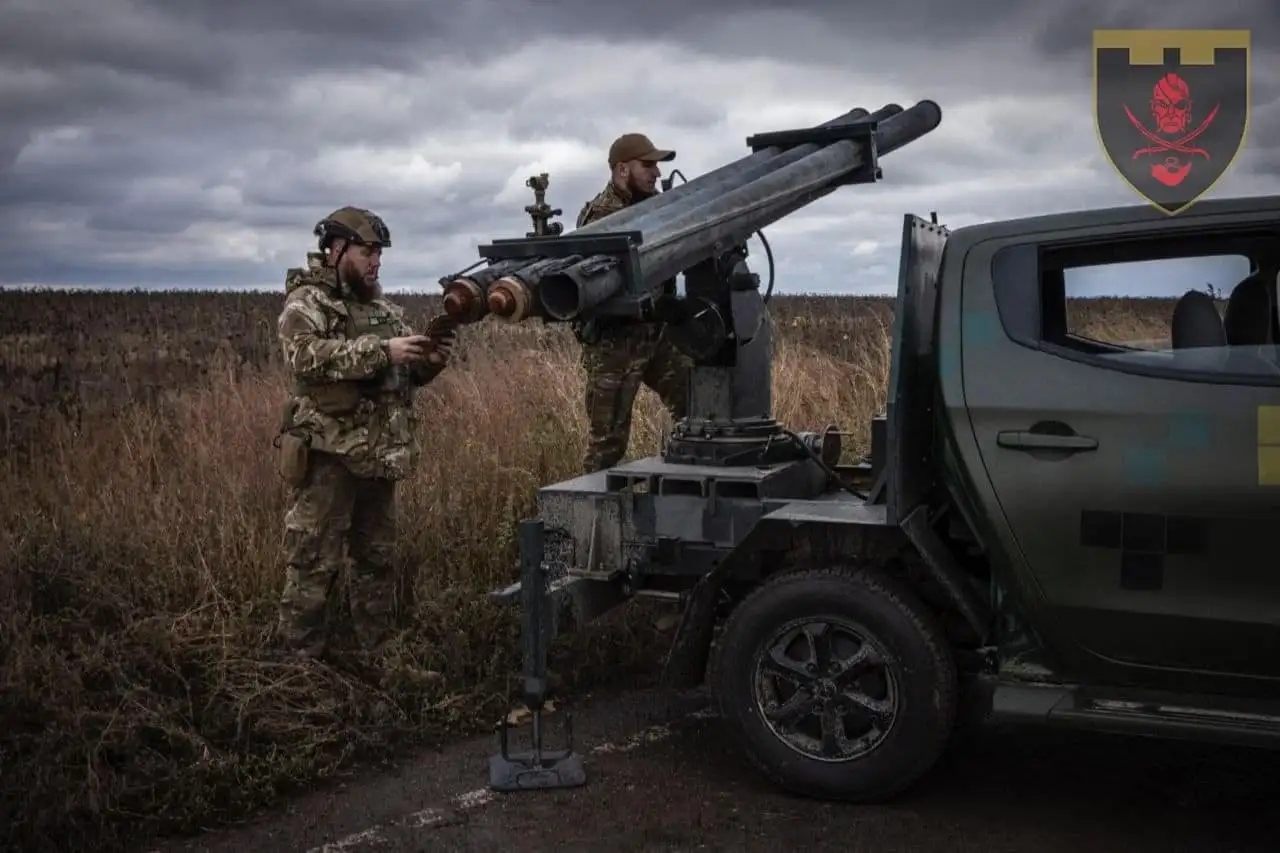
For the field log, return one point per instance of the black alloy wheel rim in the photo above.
(824, 687)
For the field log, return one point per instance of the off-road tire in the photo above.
(917, 655)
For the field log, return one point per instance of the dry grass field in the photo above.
(140, 528)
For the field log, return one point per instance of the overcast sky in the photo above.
(194, 143)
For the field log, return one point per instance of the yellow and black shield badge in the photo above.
(1172, 108)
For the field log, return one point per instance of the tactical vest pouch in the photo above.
(338, 398)
(295, 458)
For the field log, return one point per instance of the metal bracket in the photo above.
(943, 567)
(862, 132)
(561, 246)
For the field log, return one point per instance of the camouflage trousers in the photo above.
(336, 520)
(623, 359)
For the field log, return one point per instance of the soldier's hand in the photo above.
(409, 349)
(442, 332)
(442, 325)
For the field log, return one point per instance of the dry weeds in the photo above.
(141, 523)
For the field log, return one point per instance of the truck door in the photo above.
(1125, 441)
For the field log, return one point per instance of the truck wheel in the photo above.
(838, 682)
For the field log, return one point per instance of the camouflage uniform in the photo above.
(618, 356)
(350, 430)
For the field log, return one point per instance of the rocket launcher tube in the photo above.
(652, 214)
(579, 288)
(511, 297)
(651, 221)
(736, 215)
(732, 217)
(487, 276)
(716, 181)
(922, 123)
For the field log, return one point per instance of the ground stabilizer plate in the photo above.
(538, 768)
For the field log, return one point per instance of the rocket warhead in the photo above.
(465, 292)
(464, 300)
(510, 300)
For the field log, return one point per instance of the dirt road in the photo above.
(663, 777)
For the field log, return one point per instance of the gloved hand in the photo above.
(442, 334)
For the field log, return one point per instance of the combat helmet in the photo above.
(355, 225)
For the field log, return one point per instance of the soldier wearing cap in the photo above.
(619, 356)
(347, 434)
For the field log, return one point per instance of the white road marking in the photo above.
(350, 842)
(481, 797)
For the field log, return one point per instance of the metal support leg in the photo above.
(537, 768)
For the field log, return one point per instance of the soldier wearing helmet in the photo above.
(348, 430)
(619, 356)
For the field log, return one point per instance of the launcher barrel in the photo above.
(617, 265)
(692, 232)
(647, 214)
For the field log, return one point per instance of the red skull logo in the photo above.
(1171, 104)
(1171, 109)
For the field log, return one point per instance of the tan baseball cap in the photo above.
(637, 146)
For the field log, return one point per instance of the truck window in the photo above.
(1199, 308)
(1117, 303)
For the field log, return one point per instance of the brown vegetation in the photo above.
(141, 521)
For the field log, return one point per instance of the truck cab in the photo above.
(1123, 492)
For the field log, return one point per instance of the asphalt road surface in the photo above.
(662, 776)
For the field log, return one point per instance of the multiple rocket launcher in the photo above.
(614, 265)
(730, 445)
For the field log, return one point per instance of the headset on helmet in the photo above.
(355, 225)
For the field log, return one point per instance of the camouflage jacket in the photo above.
(347, 398)
(610, 200)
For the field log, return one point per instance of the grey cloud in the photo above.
(548, 112)
(538, 124)
(375, 21)
(1067, 29)
(197, 120)
(62, 35)
(398, 23)
(1263, 143)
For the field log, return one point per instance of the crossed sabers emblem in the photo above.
(1180, 145)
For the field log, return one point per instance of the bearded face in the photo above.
(358, 270)
(642, 178)
(1171, 104)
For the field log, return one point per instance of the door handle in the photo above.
(1027, 440)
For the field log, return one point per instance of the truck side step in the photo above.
(1220, 719)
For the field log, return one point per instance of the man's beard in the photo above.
(356, 284)
(638, 192)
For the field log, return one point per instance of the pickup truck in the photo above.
(1050, 529)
